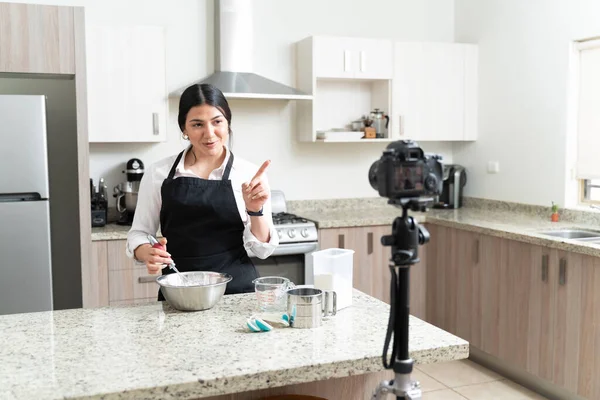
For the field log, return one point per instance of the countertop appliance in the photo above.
(26, 265)
(455, 179)
(298, 238)
(127, 192)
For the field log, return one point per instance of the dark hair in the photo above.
(199, 94)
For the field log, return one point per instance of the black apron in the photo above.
(204, 229)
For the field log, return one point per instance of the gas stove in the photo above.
(291, 228)
(298, 239)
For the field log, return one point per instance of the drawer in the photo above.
(131, 283)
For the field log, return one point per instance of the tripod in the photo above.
(405, 239)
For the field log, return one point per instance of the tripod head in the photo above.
(407, 234)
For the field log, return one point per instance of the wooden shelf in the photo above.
(383, 140)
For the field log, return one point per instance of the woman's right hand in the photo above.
(154, 258)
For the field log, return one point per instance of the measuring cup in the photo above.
(271, 293)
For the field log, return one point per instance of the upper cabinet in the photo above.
(356, 58)
(427, 90)
(127, 93)
(348, 78)
(21, 48)
(435, 91)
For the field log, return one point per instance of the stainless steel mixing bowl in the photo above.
(203, 290)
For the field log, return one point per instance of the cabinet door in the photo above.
(126, 84)
(515, 283)
(442, 278)
(126, 279)
(95, 279)
(468, 287)
(334, 57)
(568, 321)
(373, 57)
(491, 282)
(429, 91)
(36, 39)
(589, 336)
(540, 338)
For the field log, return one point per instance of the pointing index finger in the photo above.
(262, 169)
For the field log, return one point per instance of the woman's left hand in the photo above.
(257, 191)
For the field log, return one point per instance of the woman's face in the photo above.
(207, 129)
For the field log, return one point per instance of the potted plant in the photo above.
(554, 212)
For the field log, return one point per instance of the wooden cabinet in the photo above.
(532, 307)
(542, 295)
(127, 281)
(95, 285)
(127, 94)
(371, 273)
(37, 39)
(115, 279)
(347, 78)
(434, 91)
(346, 57)
(576, 328)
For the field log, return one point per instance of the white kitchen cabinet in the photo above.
(347, 57)
(434, 91)
(347, 77)
(127, 94)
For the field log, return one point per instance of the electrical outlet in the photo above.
(493, 167)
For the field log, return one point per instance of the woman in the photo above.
(211, 205)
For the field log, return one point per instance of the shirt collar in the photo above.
(181, 166)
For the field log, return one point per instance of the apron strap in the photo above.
(225, 174)
(228, 167)
(174, 167)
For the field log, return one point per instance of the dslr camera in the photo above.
(405, 172)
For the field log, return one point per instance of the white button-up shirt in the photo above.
(146, 219)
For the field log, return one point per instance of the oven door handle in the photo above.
(294, 248)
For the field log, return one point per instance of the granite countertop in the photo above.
(110, 232)
(511, 221)
(509, 224)
(151, 351)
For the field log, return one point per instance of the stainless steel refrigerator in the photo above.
(25, 255)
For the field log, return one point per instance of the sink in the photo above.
(579, 234)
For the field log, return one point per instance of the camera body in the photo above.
(405, 172)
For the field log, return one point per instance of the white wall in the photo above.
(524, 51)
(264, 129)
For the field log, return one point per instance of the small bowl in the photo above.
(202, 293)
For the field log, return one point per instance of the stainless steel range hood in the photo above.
(233, 58)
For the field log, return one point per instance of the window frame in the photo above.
(584, 186)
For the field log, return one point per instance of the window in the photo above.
(588, 120)
(590, 190)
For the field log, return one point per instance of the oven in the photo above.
(298, 239)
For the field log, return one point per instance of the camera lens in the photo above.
(373, 175)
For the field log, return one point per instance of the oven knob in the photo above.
(292, 233)
(304, 232)
(279, 233)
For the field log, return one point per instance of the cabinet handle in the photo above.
(545, 258)
(155, 124)
(370, 243)
(347, 61)
(147, 279)
(400, 125)
(363, 62)
(341, 241)
(562, 273)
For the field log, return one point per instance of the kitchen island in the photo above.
(151, 351)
